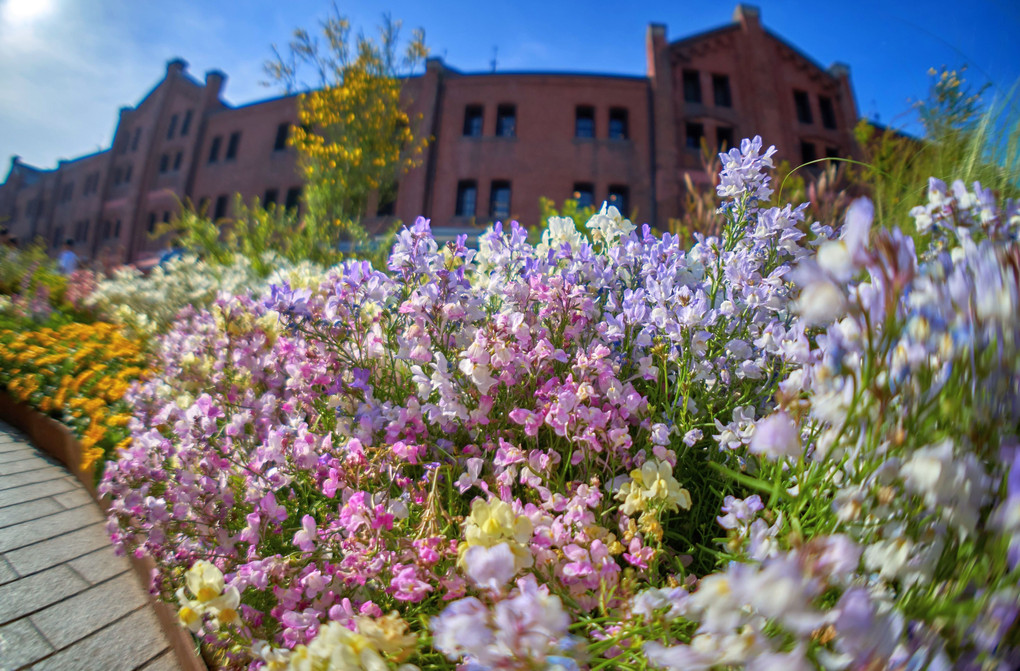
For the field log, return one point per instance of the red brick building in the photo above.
(500, 141)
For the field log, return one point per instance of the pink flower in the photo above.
(305, 538)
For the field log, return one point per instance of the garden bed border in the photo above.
(57, 440)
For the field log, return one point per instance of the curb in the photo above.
(56, 439)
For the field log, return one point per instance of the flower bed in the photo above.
(786, 446)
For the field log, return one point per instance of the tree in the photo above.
(355, 138)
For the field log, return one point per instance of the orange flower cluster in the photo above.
(79, 374)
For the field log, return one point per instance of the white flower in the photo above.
(609, 225)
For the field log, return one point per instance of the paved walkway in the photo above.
(66, 601)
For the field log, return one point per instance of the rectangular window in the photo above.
(293, 198)
(584, 122)
(116, 229)
(695, 133)
(467, 198)
(281, 137)
(803, 104)
(619, 197)
(721, 91)
(618, 123)
(506, 121)
(186, 126)
(135, 139)
(214, 149)
(499, 200)
(270, 197)
(235, 140)
(152, 222)
(177, 161)
(832, 152)
(473, 117)
(166, 214)
(724, 137)
(584, 194)
(164, 164)
(221, 208)
(172, 128)
(807, 152)
(828, 112)
(692, 87)
(387, 201)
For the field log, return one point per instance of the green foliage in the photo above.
(570, 209)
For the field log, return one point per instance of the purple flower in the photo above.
(489, 568)
(776, 436)
(305, 539)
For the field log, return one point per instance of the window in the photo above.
(116, 229)
(221, 208)
(387, 201)
(164, 164)
(281, 137)
(828, 112)
(293, 198)
(235, 140)
(721, 91)
(499, 200)
(800, 100)
(619, 196)
(127, 174)
(135, 139)
(584, 194)
(66, 192)
(473, 121)
(584, 122)
(692, 87)
(618, 123)
(177, 161)
(172, 128)
(186, 126)
(166, 214)
(270, 197)
(467, 198)
(695, 133)
(214, 149)
(152, 222)
(506, 121)
(832, 152)
(807, 152)
(724, 137)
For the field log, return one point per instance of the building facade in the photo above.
(499, 142)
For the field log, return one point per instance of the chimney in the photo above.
(655, 42)
(748, 16)
(176, 66)
(839, 70)
(214, 80)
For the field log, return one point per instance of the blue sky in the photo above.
(66, 66)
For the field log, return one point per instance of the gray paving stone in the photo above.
(165, 662)
(31, 463)
(17, 455)
(49, 553)
(100, 565)
(10, 497)
(21, 644)
(74, 498)
(12, 445)
(30, 510)
(26, 595)
(75, 618)
(26, 533)
(121, 646)
(30, 477)
(7, 572)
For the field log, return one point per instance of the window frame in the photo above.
(474, 114)
(802, 106)
(721, 89)
(496, 187)
(580, 188)
(619, 192)
(465, 186)
(691, 83)
(585, 113)
(214, 149)
(688, 135)
(233, 146)
(619, 115)
(827, 111)
(506, 111)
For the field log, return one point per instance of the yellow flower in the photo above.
(493, 523)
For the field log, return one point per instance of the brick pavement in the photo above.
(67, 603)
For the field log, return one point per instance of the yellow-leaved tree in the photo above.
(355, 137)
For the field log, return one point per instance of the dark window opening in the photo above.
(721, 91)
(584, 194)
(281, 137)
(186, 126)
(473, 117)
(724, 137)
(467, 198)
(172, 128)
(499, 200)
(127, 174)
(618, 123)
(235, 140)
(177, 161)
(692, 87)
(164, 162)
(506, 121)
(293, 198)
(152, 222)
(828, 112)
(135, 139)
(387, 201)
(803, 104)
(221, 208)
(619, 197)
(270, 197)
(116, 229)
(584, 122)
(166, 213)
(695, 133)
(807, 152)
(214, 149)
(832, 152)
